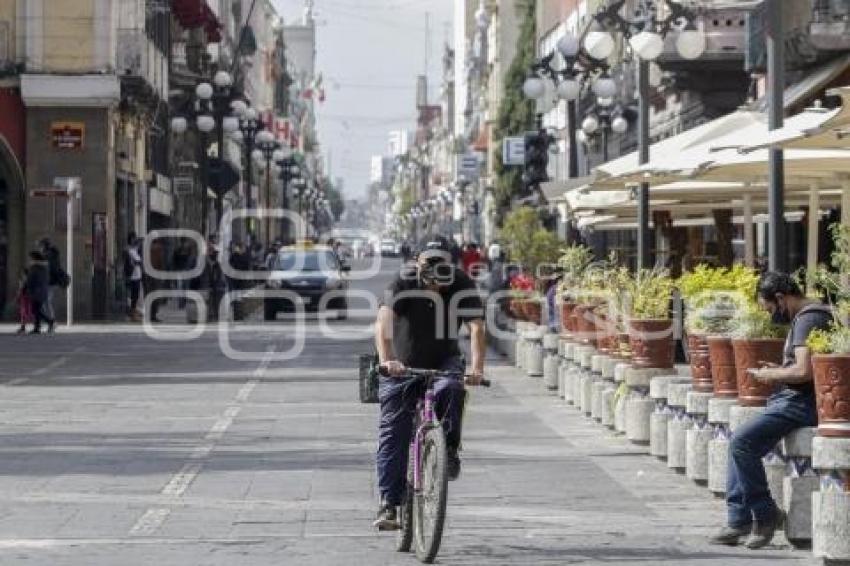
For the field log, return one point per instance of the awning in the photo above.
(626, 169)
(817, 80)
(482, 142)
(194, 14)
(555, 190)
(812, 129)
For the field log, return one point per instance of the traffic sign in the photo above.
(513, 151)
(469, 166)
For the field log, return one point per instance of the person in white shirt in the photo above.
(133, 274)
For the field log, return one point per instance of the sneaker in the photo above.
(51, 327)
(387, 519)
(730, 536)
(763, 531)
(453, 464)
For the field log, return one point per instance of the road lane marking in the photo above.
(179, 483)
(51, 366)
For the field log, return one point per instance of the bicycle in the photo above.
(423, 509)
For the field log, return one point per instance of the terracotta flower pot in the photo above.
(585, 324)
(567, 320)
(514, 308)
(832, 387)
(652, 343)
(624, 347)
(532, 311)
(700, 363)
(723, 375)
(603, 345)
(749, 354)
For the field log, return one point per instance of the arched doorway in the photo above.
(12, 237)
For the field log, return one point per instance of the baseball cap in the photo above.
(436, 247)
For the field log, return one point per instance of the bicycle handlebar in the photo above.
(426, 373)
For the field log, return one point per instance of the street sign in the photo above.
(49, 192)
(67, 135)
(469, 166)
(513, 151)
(223, 176)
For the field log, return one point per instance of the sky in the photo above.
(370, 52)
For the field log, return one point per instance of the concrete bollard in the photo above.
(831, 505)
(661, 413)
(567, 365)
(698, 437)
(639, 405)
(799, 484)
(551, 361)
(534, 359)
(718, 447)
(677, 426)
(597, 387)
(620, 399)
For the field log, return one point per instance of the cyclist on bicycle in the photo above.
(417, 327)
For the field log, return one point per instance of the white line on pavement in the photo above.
(51, 366)
(154, 517)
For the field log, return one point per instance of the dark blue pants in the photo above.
(398, 406)
(747, 494)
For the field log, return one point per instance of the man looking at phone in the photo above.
(752, 511)
(417, 327)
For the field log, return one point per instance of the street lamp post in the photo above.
(268, 151)
(211, 111)
(777, 257)
(645, 34)
(249, 127)
(290, 171)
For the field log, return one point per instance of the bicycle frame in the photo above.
(427, 419)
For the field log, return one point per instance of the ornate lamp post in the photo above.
(606, 119)
(267, 152)
(645, 33)
(249, 126)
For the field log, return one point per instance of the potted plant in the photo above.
(711, 296)
(831, 348)
(650, 325)
(755, 339)
(574, 260)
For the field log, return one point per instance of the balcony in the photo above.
(726, 40)
(140, 65)
(830, 26)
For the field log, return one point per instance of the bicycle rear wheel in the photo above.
(429, 505)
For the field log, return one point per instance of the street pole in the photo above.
(643, 158)
(777, 256)
(203, 158)
(219, 195)
(249, 178)
(268, 196)
(572, 154)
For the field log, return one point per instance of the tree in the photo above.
(516, 114)
(334, 196)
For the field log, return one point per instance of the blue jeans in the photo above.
(398, 400)
(747, 493)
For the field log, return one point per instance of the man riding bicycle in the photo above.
(417, 326)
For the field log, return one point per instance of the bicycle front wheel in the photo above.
(429, 505)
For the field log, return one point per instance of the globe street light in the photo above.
(645, 35)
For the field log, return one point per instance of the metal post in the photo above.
(643, 152)
(777, 254)
(73, 194)
(249, 177)
(814, 232)
(203, 157)
(572, 154)
(605, 129)
(268, 196)
(219, 195)
(749, 235)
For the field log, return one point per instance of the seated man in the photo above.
(417, 327)
(751, 509)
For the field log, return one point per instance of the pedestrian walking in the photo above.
(133, 275)
(38, 289)
(57, 277)
(151, 283)
(211, 280)
(180, 261)
(25, 312)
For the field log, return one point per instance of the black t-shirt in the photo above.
(427, 322)
(810, 318)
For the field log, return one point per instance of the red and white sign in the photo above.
(281, 128)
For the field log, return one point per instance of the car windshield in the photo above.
(306, 261)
